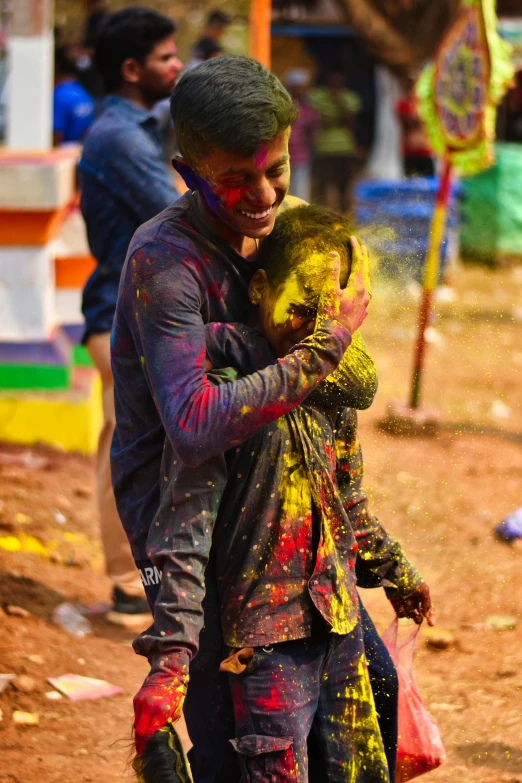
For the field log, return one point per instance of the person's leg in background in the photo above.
(301, 181)
(128, 595)
(385, 688)
(319, 181)
(344, 172)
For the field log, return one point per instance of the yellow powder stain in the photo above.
(25, 543)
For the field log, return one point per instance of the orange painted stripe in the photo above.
(73, 271)
(20, 228)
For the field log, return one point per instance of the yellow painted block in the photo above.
(69, 420)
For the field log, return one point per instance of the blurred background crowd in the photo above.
(355, 116)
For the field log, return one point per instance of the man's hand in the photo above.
(159, 700)
(349, 306)
(416, 605)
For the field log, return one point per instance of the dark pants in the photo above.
(308, 698)
(208, 708)
(209, 714)
(334, 173)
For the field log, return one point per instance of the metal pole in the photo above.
(431, 273)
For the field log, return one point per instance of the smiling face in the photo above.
(287, 312)
(242, 193)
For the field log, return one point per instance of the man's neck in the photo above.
(134, 95)
(245, 246)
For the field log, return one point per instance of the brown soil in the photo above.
(441, 495)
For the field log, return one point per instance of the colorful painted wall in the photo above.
(49, 391)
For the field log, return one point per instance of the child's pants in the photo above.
(310, 692)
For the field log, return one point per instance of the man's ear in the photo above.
(186, 172)
(131, 71)
(259, 287)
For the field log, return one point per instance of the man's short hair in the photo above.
(63, 61)
(231, 103)
(298, 234)
(129, 34)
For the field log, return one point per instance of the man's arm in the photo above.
(354, 383)
(381, 561)
(200, 419)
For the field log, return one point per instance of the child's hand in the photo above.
(159, 701)
(416, 605)
(349, 306)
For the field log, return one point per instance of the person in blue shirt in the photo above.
(124, 182)
(73, 107)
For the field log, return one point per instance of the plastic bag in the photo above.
(420, 747)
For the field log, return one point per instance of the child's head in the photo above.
(293, 263)
(232, 118)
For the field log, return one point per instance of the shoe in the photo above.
(128, 611)
(164, 759)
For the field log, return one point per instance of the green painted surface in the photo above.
(80, 357)
(38, 377)
(492, 208)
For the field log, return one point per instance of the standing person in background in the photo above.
(73, 107)
(209, 45)
(124, 182)
(304, 133)
(416, 151)
(335, 148)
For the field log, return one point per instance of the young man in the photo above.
(73, 107)
(189, 266)
(124, 182)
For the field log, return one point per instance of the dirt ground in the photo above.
(441, 495)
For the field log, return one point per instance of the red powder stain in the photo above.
(288, 546)
(213, 292)
(146, 297)
(271, 703)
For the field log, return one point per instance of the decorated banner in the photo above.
(458, 98)
(460, 91)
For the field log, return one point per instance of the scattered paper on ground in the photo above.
(78, 688)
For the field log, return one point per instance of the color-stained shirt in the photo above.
(124, 182)
(290, 512)
(335, 137)
(73, 111)
(177, 277)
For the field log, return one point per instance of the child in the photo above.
(284, 544)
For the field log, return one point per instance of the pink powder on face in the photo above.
(261, 155)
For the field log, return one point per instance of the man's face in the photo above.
(244, 193)
(160, 70)
(287, 314)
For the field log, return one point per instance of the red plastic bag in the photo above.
(420, 747)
